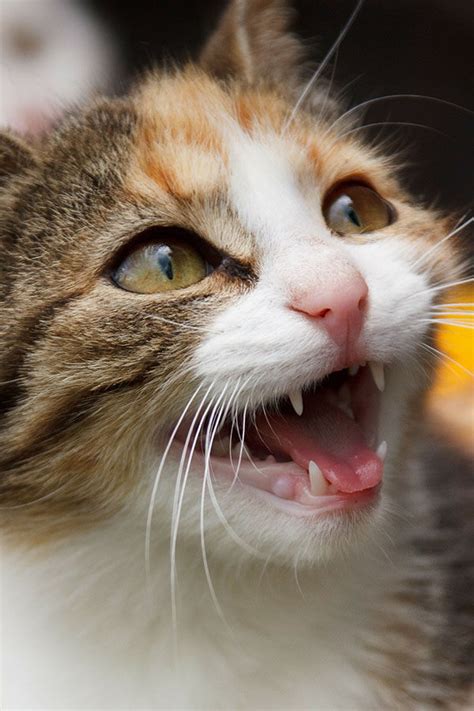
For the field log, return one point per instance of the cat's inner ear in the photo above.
(16, 157)
(252, 44)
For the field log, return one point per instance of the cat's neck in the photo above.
(90, 595)
(109, 563)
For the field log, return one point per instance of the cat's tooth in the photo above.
(318, 483)
(354, 369)
(296, 399)
(378, 374)
(382, 450)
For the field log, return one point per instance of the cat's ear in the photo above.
(252, 43)
(16, 157)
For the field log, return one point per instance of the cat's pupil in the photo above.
(165, 262)
(354, 217)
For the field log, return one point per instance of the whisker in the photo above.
(443, 356)
(445, 322)
(213, 498)
(438, 245)
(442, 287)
(241, 438)
(203, 539)
(393, 123)
(389, 97)
(321, 67)
(466, 313)
(327, 93)
(157, 481)
(178, 500)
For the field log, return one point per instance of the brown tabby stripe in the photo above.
(75, 410)
(33, 330)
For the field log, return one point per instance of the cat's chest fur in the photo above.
(101, 639)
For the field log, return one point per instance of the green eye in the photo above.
(354, 209)
(155, 267)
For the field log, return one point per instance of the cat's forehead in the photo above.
(188, 151)
(195, 137)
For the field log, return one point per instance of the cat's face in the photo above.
(190, 285)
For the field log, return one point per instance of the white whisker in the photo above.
(446, 322)
(438, 245)
(157, 481)
(321, 67)
(388, 97)
(442, 287)
(410, 124)
(207, 571)
(178, 501)
(443, 356)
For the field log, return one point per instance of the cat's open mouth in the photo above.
(314, 448)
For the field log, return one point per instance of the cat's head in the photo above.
(212, 266)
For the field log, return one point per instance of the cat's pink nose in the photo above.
(338, 307)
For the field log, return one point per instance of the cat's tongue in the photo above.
(331, 438)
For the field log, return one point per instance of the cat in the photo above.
(53, 53)
(216, 487)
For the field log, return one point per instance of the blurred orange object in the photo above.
(451, 400)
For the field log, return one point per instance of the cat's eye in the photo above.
(159, 266)
(354, 208)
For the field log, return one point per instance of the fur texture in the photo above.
(264, 609)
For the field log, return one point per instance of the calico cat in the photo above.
(216, 490)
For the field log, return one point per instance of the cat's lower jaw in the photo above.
(284, 485)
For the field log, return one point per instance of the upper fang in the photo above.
(378, 374)
(296, 399)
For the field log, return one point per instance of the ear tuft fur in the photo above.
(252, 44)
(16, 156)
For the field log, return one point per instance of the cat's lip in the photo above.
(324, 459)
(283, 485)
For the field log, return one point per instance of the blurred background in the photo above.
(54, 53)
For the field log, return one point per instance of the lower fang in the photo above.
(318, 484)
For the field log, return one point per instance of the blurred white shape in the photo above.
(53, 55)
